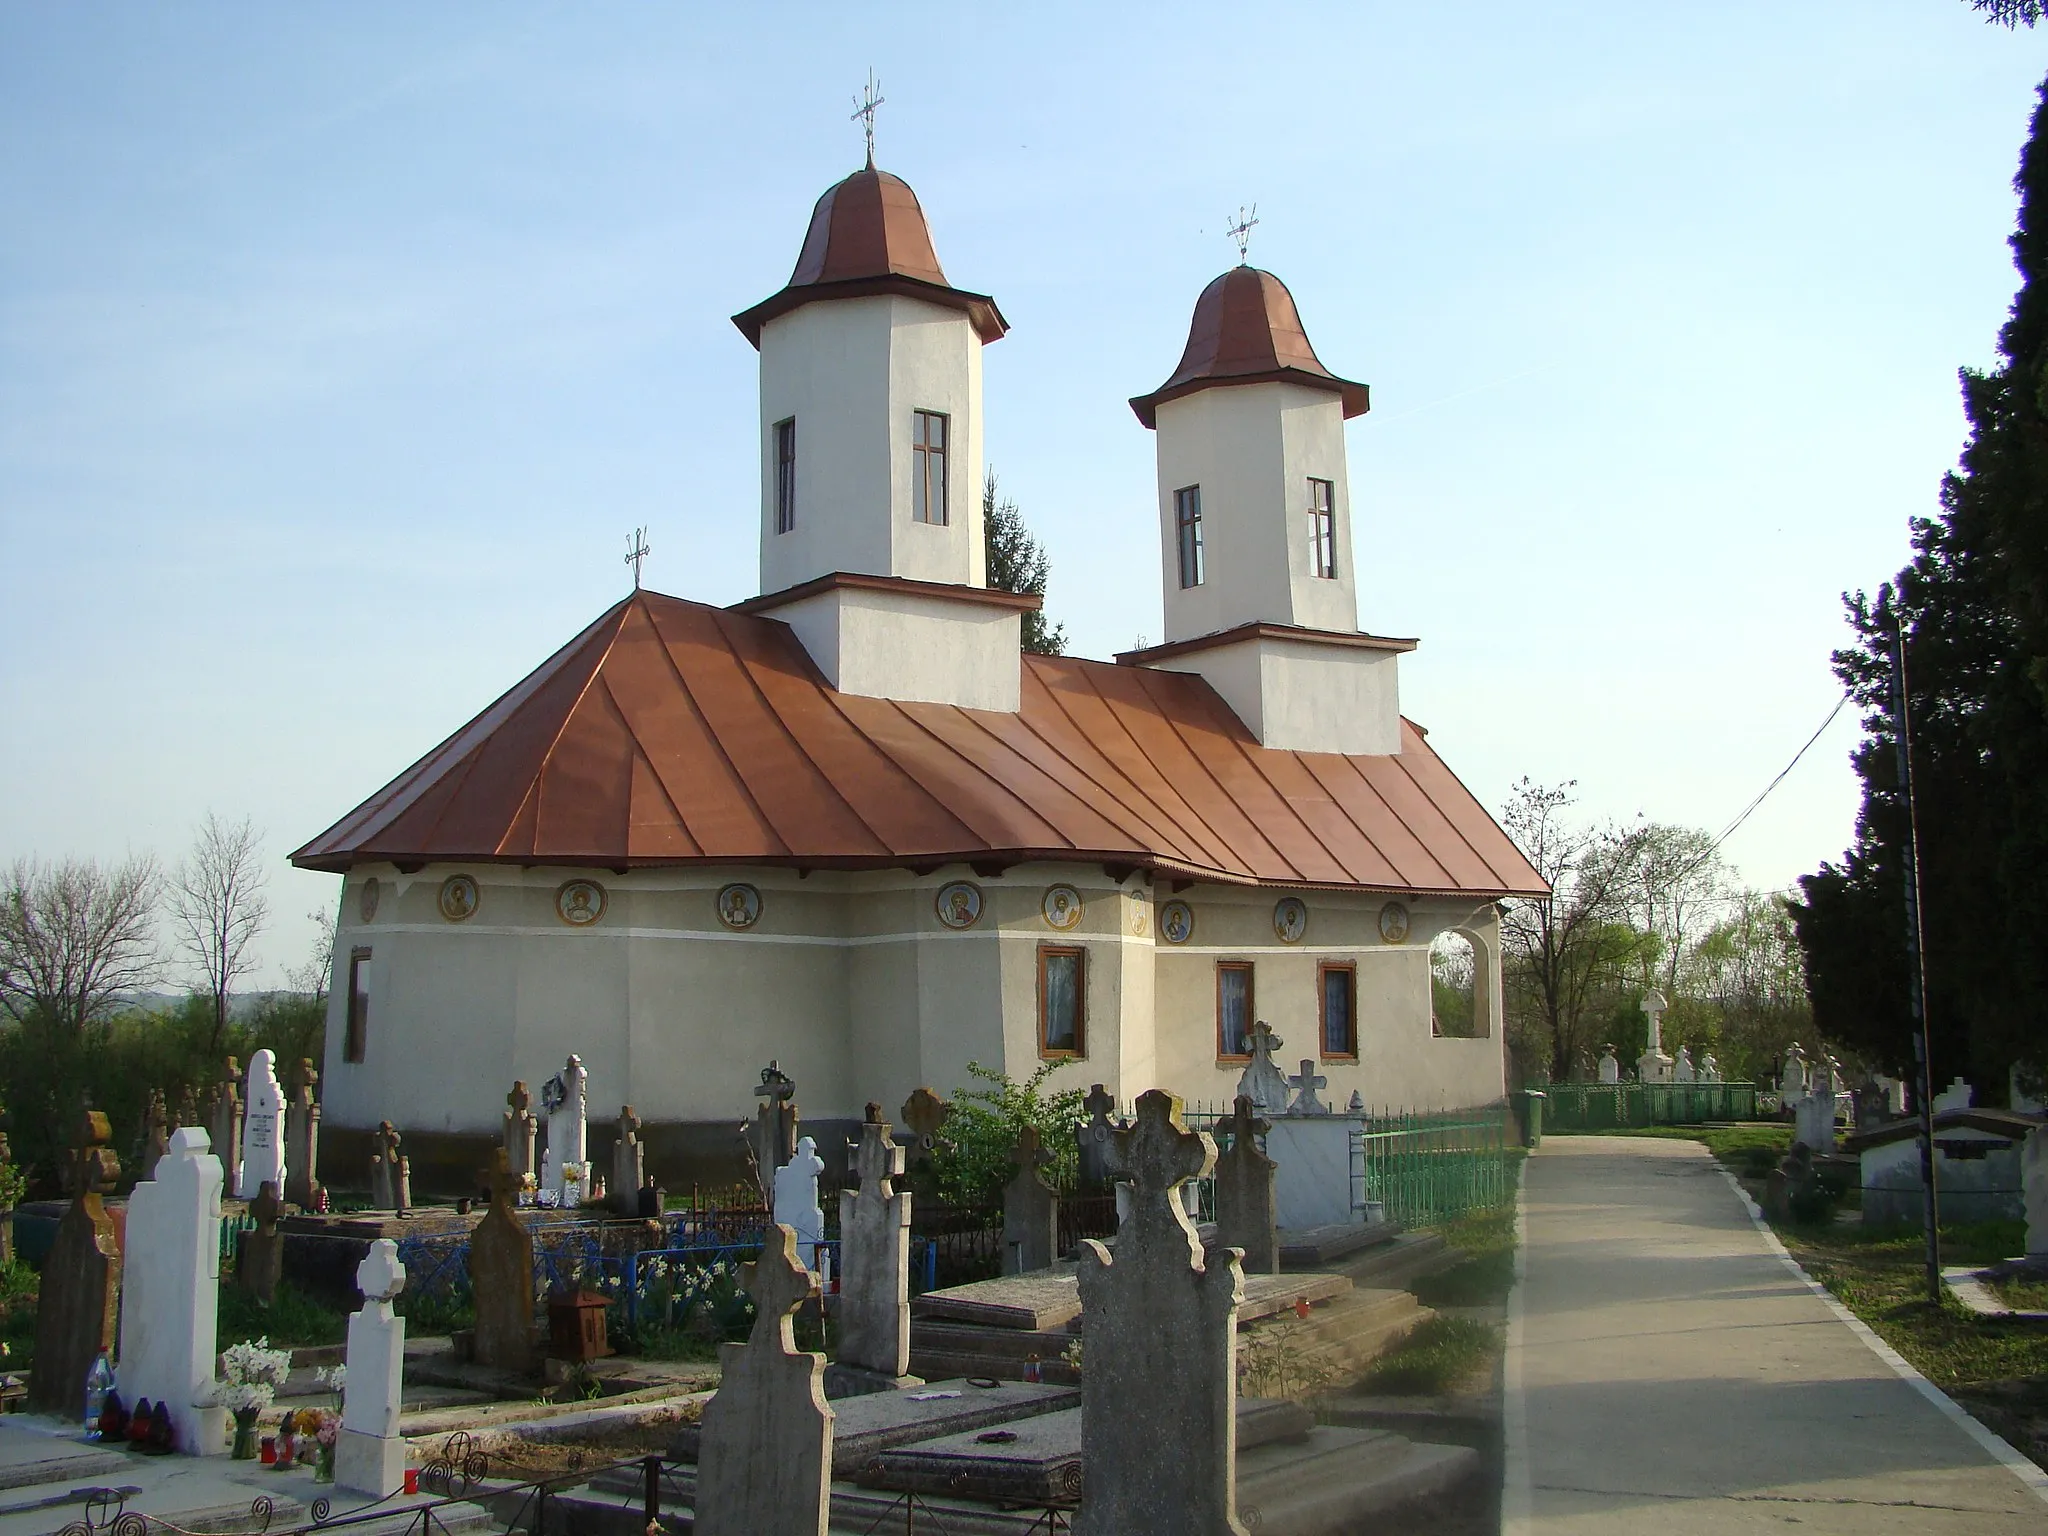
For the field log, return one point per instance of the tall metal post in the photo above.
(1916, 964)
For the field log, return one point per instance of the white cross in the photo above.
(380, 1276)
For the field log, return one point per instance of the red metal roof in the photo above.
(1246, 330)
(672, 732)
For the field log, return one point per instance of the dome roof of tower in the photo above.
(868, 236)
(1246, 330)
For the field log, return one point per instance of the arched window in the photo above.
(1453, 974)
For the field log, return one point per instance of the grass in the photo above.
(2027, 1295)
(1752, 1148)
(292, 1320)
(1486, 1273)
(1438, 1356)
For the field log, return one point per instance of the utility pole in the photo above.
(1916, 963)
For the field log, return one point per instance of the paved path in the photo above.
(1668, 1373)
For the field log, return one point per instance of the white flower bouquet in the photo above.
(252, 1373)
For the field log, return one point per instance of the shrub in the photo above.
(971, 1164)
(1436, 1356)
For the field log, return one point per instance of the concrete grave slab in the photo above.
(1051, 1298)
(864, 1427)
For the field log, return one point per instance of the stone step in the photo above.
(1393, 1265)
(1346, 1337)
(1348, 1480)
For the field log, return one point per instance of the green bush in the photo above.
(1438, 1355)
(971, 1164)
(17, 1316)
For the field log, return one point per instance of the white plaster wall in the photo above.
(902, 645)
(1305, 698)
(851, 372)
(1252, 448)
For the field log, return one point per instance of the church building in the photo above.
(851, 826)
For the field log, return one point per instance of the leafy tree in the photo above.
(971, 1164)
(1016, 563)
(1973, 605)
(1750, 969)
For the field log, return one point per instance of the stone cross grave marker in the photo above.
(796, 1200)
(1682, 1069)
(1245, 1198)
(520, 1129)
(224, 1119)
(384, 1167)
(262, 1128)
(772, 1137)
(765, 1462)
(156, 1133)
(565, 1168)
(1305, 1083)
(1093, 1136)
(1792, 1082)
(629, 1162)
(1031, 1209)
(187, 1112)
(501, 1276)
(874, 1250)
(259, 1254)
(370, 1454)
(1159, 1346)
(1710, 1069)
(170, 1298)
(1262, 1080)
(302, 1136)
(79, 1299)
(925, 1114)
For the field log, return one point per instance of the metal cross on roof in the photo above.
(864, 112)
(637, 549)
(1241, 231)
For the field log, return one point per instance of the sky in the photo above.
(342, 347)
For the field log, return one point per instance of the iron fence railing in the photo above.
(1616, 1106)
(1422, 1169)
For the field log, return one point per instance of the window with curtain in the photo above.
(1233, 1009)
(1062, 1000)
(1339, 988)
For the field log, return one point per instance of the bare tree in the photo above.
(1678, 887)
(217, 909)
(74, 938)
(314, 977)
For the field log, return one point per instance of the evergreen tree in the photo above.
(1974, 604)
(1017, 564)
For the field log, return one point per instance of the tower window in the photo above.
(928, 467)
(1322, 528)
(1233, 1010)
(1339, 1007)
(1187, 533)
(785, 475)
(358, 1038)
(1062, 1000)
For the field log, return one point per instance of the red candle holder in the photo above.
(268, 1451)
(412, 1480)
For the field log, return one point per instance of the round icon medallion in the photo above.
(579, 903)
(1290, 919)
(1062, 906)
(1393, 922)
(458, 898)
(739, 906)
(1176, 922)
(958, 904)
(1141, 915)
(367, 897)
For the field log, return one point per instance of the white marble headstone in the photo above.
(262, 1129)
(170, 1297)
(1610, 1068)
(565, 1170)
(796, 1200)
(370, 1455)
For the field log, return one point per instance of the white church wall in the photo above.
(1299, 697)
(935, 365)
(904, 645)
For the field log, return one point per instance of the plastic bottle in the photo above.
(99, 1381)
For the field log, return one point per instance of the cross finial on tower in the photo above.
(864, 112)
(637, 549)
(1241, 231)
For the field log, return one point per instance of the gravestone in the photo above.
(874, 1252)
(1682, 1070)
(1031, 1209)
(1610, 1067)
(520, 1129)
(156, 1133)
(1305, 1083)
(629, 1162)
(170, 1298)
(1159, 1350)
(796, 1200)
(1957, 1095)
(501, 1277)
(765, 1455)
(1653, 1066)
(2034, 1183)
(1792, 1081)
(772, 1137)
(259, 1253)
(1894, 1090)
(369, 1457)
(924, 1115)
(384, 1167)
(224, 1120)
(1710, 1068)
(302, 1137)
(565, 1167)
(1245, 1199)
(1262, 1081)
(1092, 1136)
(79, 1299)
(1790, 1179)
(187, 1110)
(1813, 1119)
(262, 1128)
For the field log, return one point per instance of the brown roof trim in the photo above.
(1357, 398)
(987, 597)
(1259, 629)
(980, 309)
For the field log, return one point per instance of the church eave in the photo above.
(979, 308)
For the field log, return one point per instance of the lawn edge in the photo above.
(2035, 1479)
(1517, 1492)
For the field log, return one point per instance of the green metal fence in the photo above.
(1427, 1168)
(1608, 1106)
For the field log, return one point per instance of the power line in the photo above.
(1729, 831)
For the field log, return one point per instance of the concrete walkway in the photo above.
(1667, 1372)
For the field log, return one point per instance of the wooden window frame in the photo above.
(785, 474)
(1187, 535)
(1324, 968)
(928, 465)
(1322, 528)
(1251, 1006)
(1078, 1051)
(356, 1035)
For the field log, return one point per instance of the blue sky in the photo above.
(342, 346)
